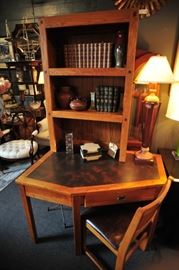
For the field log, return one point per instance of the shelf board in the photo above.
(88, 115)
(115, 72)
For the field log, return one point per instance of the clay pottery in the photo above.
(78, 104)
(64, 97)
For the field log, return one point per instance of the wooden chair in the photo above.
(122, 228)
(41, 134)
(19, 142)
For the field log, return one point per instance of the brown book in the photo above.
(79, 55)
(95, 53)
(108, 54)
(104, 54)
(87, 55)
(66, 55)
(83, 62)
(91, 55)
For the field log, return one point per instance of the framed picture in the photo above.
(6, 50)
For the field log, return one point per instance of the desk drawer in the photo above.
(48, 195)
(121, 196)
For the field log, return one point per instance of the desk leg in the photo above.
(29, 214)
(77, 202)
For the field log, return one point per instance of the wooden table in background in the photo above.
(68, 180)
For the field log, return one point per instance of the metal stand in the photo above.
(61, 208)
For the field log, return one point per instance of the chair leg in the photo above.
(2, 166)
(61, 208)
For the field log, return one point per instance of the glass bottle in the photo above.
(119, 48)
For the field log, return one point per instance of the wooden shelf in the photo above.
(89, 28)
(88, 115)
(115, 72)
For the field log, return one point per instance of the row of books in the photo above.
(88, 55)
(107, 98)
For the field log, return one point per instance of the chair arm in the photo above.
(35, 132)
(4, 132)
(43, 124)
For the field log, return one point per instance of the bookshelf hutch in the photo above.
(87, 28)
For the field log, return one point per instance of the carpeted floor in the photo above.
(12, 171)
(56, 249)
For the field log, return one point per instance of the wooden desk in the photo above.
(67, 180)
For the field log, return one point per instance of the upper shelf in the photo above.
(116, 72)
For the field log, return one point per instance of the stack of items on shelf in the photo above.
(107, 98)
(88, 55)
(90, 151)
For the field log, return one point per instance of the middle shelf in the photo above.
(88, 72)
(88, 115)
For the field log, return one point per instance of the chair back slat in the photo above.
(23, 124)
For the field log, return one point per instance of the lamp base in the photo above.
(144, 156)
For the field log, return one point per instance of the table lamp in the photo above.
(173, 108)
(156, 71)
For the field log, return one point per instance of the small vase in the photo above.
(92, 101)
(64, 97)
(119, 48)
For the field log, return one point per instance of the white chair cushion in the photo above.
(43, 125)
(43, 135)
(17, 149)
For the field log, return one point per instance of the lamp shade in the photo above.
(173, 104)
(41, 78)
(156, 70)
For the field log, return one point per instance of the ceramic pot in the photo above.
(78, 104)
(64, 97)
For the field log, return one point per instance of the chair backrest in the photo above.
(23, 124)
(141, 228)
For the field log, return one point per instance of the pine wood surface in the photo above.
(71, 181)
(81, 28)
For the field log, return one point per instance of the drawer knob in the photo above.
(121, 197)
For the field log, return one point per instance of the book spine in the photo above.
(66, 55)
(75, 55)
(79, 55)
(87, 55)
(83, 62)
(95, 53)
(115, 99)
(101, 99)
(106, 98)
(99, 55)
(108, 54)
(104, 54)
(97, 98)
(110, 98)
(91, 55)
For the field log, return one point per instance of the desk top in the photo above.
(73, 171)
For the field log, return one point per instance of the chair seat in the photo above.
(17, 149)
(114, 227)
